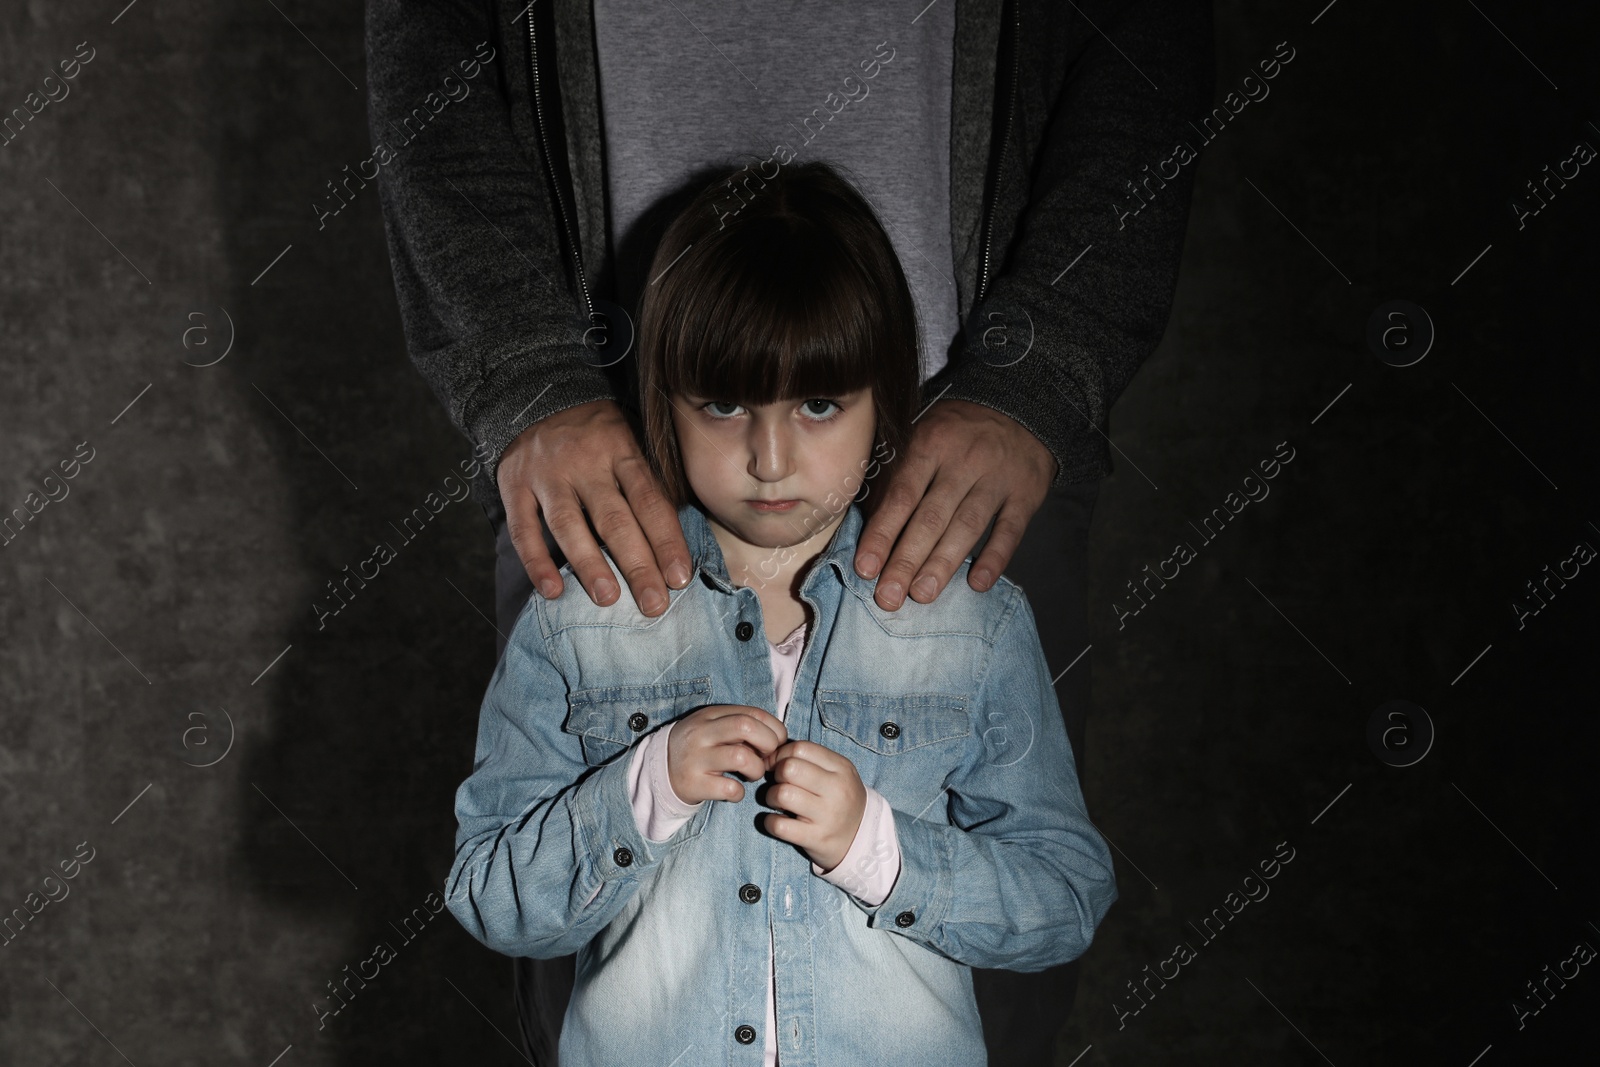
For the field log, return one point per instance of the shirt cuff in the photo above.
(871, 867)
(658, 811)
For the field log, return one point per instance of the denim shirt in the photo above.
(947, 709)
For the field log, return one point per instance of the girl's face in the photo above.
(775, 475)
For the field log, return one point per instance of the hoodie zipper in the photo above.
(550, 169)
(1005, 142)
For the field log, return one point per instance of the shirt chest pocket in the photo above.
(610, 719)
(902, 746)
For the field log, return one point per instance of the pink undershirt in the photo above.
(658, 812)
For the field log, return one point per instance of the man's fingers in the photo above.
(971, 519)
(996, 555)
(527, 537)
(906, 487)
(922, 532)
(650, 543)
(576, 459)
(618, 528)
(966, 462)
(658, 518)
(578, 545)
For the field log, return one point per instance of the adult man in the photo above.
(1003, 146)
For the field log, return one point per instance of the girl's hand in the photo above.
(718, 738)
(823, 791)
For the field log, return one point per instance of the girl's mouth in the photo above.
(773, 505)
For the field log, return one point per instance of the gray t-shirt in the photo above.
(688, 84)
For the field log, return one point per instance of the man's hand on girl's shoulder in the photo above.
(966, 464)
(587, 459)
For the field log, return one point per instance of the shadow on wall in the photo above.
(348, 818)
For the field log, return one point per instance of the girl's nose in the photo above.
(771, 452)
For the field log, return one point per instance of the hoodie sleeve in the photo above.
(1020, 878)
(1145, 70)
(547, 847)
(487, 301)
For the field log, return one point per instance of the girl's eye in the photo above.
(819, 409)
(816, 410)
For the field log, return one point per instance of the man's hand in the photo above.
(966, 464)
(823, 791)
(586, 458)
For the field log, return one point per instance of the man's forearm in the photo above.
(490, 316)
(1086, 293)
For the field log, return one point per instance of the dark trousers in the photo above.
(1022, 1013)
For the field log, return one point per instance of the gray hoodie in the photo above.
(1069, 197)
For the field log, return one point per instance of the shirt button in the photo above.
(638, 721)
(890, 730)
(623, 858)
(905, 918)
(749, 892)
(744, 631)
(745, 1034)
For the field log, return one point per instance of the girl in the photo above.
(918, 813)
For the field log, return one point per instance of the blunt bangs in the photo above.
(794, 293)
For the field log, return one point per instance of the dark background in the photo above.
(1229, 714)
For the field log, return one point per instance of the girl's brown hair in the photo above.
(784, 289)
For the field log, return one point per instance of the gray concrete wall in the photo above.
(157, 618)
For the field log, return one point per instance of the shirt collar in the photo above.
(838, 556)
